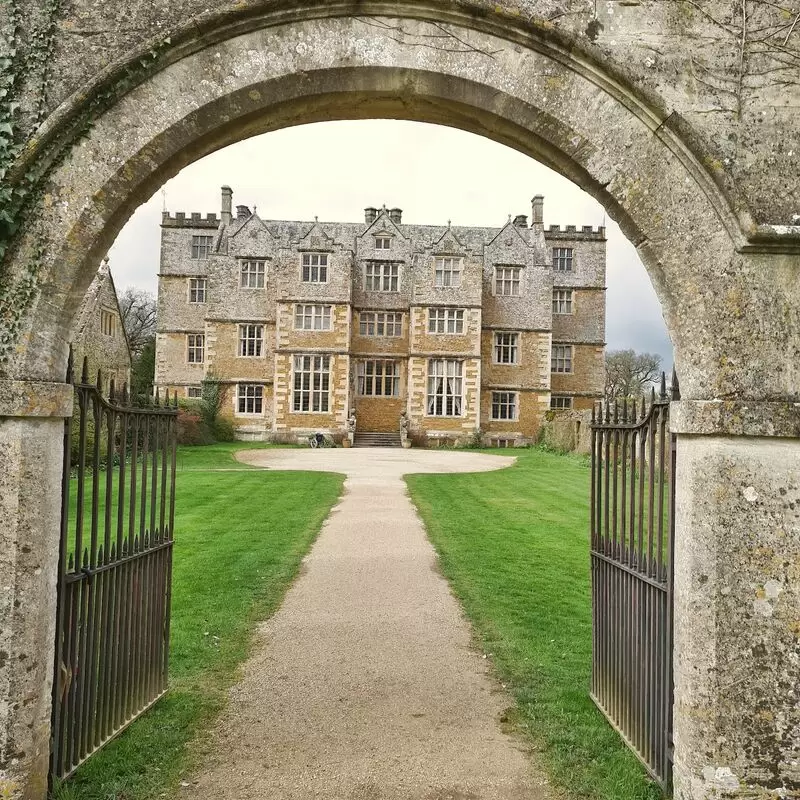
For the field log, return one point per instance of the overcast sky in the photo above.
(334, 169)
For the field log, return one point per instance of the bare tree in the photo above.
(138, 309)
(630, 374)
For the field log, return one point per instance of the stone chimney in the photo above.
(370, 215)
(227, 200)
(242, 212)
(537, 210)
(396, 215)
(521, 221)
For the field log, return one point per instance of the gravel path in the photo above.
(364, 684)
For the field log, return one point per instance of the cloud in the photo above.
(334, 169)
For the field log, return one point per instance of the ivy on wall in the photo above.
(26, 58)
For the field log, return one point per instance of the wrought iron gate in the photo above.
(115, 573)
(632, 524)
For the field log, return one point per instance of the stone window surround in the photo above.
(252, 273)
(383, 241)
(380, 319)
(307, 267)
(201, 246)
(564, 259)
(447, 271)
(313, 317)
(561, 358)
(194, 392)
(375, 375)
(108, 322)
(505, 402)
(507, 279)
(560, 402)
(199, 289)
(381, 276)
(563, 299)
(511, 347)
(195, 348)
(251, 337)
(249, 394)
(315, 393)
(445, 388)
(445, 320)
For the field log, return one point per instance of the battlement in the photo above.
(193, 220)
(572, 232)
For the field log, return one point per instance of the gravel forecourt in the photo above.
(365, 684)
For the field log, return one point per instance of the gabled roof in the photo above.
(514, 230)
(89, 305)
(318, 233)
(448, 242)
(253, 221)
(383, 224)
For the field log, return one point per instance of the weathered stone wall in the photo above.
(532, 370)
(533, 406)
(587, 377)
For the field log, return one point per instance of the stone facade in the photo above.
(464, 329)
(99, 335)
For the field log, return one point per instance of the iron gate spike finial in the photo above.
(676, 387)
(85, 370)
(111, 390)
(125, 393)
(624, 409)
(157, 397)
(616, 410)
(664, 384)
(70, 364)
(99, 380)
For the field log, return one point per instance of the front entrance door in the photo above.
(379, 396)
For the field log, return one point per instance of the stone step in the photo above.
(376, 439)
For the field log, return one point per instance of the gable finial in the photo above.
(316, 218)
(509, 217)
(449, 223)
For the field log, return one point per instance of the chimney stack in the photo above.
(242, 212)
(370, 215)
(227, 200)
(537, 210)
(521, 221)
(396, 215)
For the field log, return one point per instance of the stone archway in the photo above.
(730, 300)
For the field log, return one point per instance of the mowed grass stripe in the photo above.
(514, 546)
(239, 540)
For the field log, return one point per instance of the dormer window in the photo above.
(314, 268)
(383, 242)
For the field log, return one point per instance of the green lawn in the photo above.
(514, 545)
(239, 538)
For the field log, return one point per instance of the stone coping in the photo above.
(35, 399)
(735, 418)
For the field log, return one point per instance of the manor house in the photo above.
(304, 323)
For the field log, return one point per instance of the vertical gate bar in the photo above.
(164, 470)
(621, 549)
(60, 675)
(593, 560)
(615, 462)
(655, 413)
(669, 630)
(81, 477)
(89, 666)
(145, 459)
(173, 443)
(640, 546)
(104, 588)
